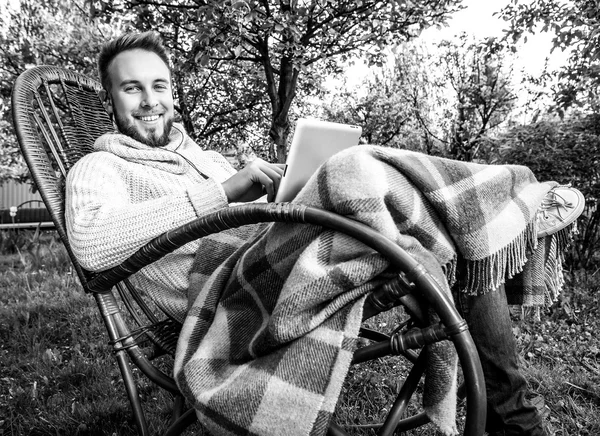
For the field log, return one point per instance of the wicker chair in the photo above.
(58, 115)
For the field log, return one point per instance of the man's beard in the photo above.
(129, 129)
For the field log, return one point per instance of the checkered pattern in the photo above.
(542, 279)
(272, 324)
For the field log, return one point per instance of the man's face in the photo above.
(141, 98)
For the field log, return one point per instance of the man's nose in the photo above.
(149, 99)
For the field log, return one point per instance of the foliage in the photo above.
(479, 75)
(394, 105)
(575, 25)
(441, 104)
(222, 107)
(279, 41)
(12, 166)
(565, 151)
(47, 32)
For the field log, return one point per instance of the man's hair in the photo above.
(149, 41)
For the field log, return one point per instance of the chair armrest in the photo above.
(238, 216)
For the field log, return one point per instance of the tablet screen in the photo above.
(313, 143)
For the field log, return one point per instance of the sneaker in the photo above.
(560, 208)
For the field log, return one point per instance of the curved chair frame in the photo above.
(58, 115)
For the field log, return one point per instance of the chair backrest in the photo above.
(57, 115)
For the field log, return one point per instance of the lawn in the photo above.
(58, 376)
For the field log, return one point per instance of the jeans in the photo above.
(509, 413)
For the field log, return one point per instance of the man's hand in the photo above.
(253, 181)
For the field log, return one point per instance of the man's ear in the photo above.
(106, 101)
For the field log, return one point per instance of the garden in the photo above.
(244, 72)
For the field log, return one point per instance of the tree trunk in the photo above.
(459, 146)
(279, 135)
(281, 101)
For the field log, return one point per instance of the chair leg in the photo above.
(184, 421)
(108, 309)
(132, 393)
(178, 408)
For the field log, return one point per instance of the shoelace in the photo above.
(555, 202)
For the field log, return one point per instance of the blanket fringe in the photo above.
(489, 273)
(554, 277)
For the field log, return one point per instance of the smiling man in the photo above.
(137, 92)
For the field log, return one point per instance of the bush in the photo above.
(567, 152)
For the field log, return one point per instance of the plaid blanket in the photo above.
(274, 310)
(542, 279)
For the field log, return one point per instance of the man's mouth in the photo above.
(148, 117)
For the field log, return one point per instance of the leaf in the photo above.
(202, 59)
(241, 4)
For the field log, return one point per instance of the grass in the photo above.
(58, 376)
(561, 357)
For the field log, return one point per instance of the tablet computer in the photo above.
(313, 143)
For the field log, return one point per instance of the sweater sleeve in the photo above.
(106, 225)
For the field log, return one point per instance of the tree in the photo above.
(479, 75)
(575, 25)
(394, 104)
(444, 100)
(281, 40)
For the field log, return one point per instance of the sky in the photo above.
(478, 20)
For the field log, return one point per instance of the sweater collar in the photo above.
(164, 158)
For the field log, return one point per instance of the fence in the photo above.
(21, 208)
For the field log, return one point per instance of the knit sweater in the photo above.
(126, 193)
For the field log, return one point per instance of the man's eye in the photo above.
(161, 87)
(132, 89)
